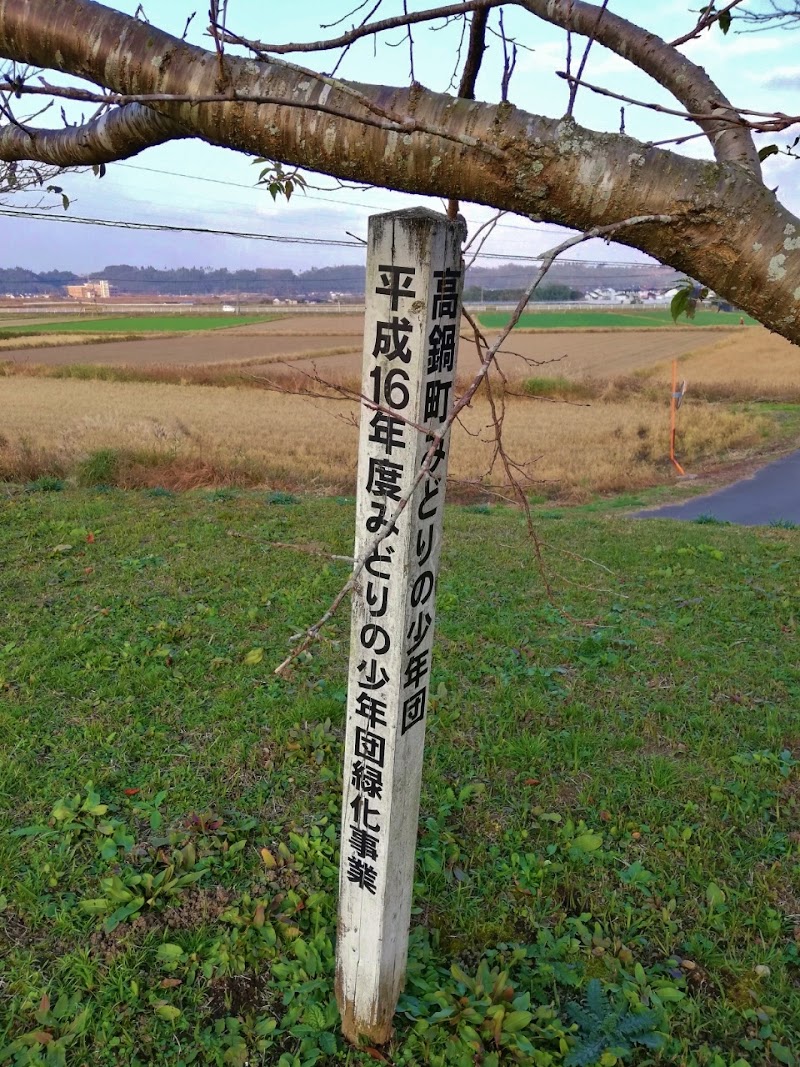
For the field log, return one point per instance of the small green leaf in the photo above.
(169, 953)
(714, 895)
(724, 20)
(782, 1054)
(678, 303)
(588, 842)
(517, 1020)
(254, 656)
(669, 992)
(168, 1012)
(95, 905)
(123, 913)
(61, 811)
(767, 151)
(327, 1042)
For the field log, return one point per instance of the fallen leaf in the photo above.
(605, 816)
(170, 983)
(90, 538)
(131, 792)
(376, 1054)
(532, 781)
(269, 860)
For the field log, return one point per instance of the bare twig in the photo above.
(509, 62)
(707, 18)
(368, 29)
(307, 637)
(573, 90)
(380, 118)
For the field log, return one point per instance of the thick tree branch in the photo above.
(728, 230)
(117, 134)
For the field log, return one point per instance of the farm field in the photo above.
(183, 350)
(574, 354)
(635, 318)
(610, 798)
(147, 407)
(304, 340)
(182, 436)
(756, 364)
(139, 324)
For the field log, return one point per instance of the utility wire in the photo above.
(17, 213)
(540, 227)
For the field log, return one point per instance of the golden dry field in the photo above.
(192, 409)
(747, 365)
(190, 435)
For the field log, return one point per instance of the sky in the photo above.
(193, 184)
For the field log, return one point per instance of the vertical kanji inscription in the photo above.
(414, 281)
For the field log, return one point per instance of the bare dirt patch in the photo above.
(537, 354)
(185, 350)
(330, 324)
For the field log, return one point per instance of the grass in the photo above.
(637, 318)
(185, 436)
(137, 324)
(609, 811)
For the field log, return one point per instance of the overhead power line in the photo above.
(15, 213)
(296, 239)
(540, 226)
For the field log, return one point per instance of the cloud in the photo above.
(783, 80)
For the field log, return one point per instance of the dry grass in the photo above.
(756, 365)
(182, 436)
(58, 340)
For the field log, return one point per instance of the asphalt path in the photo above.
(770, 495)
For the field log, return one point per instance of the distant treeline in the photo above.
(192, 281)
(550, 293)
(507, 281)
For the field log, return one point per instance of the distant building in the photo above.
(99, 290)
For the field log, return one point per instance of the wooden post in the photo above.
(413, 309)
(674, 404)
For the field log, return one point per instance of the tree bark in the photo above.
(729, 231)
(117, 134)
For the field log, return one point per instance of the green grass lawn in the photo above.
(609, 855)
(139, 324)
(638, 318)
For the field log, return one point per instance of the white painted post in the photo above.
(413, 308)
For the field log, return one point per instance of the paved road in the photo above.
(770, 495)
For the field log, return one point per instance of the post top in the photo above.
(412, 213)
(419, 218)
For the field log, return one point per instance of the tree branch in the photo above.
(114, 135)
(369, 29)
(707, 19)
(728, 230)
(687, 82)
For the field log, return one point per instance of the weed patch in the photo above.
(607, 854)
